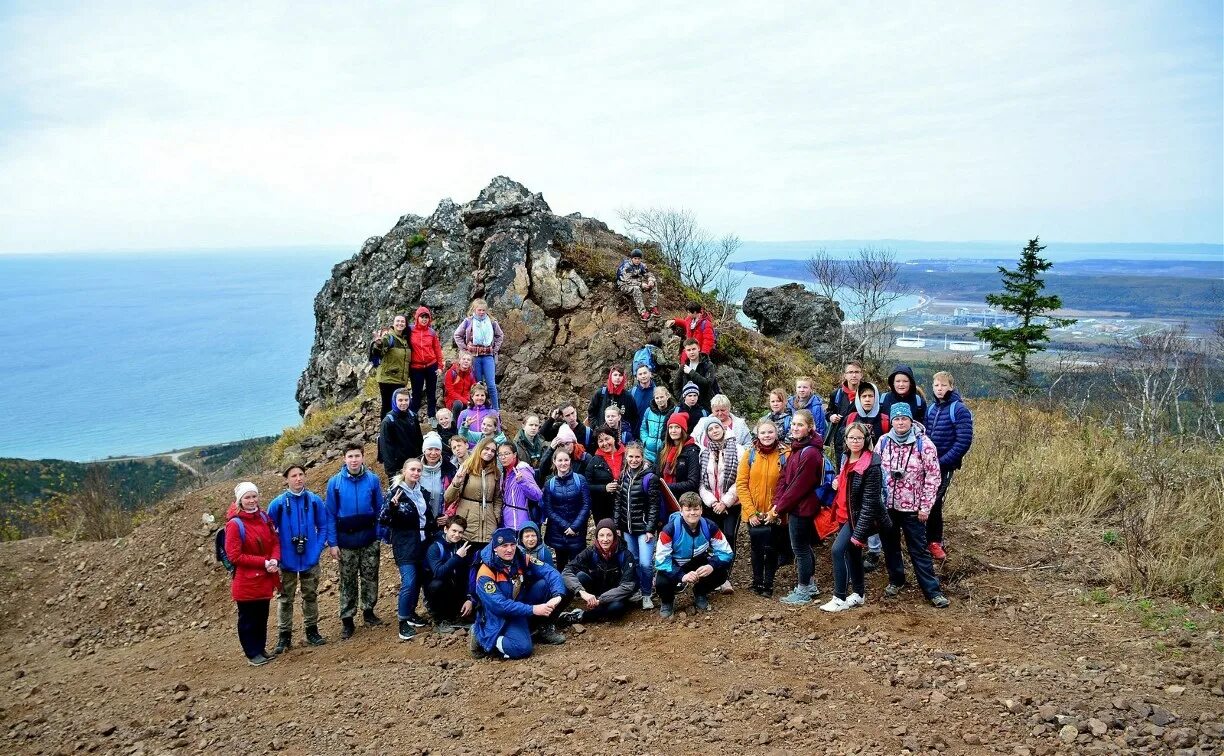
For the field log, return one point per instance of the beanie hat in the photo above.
(690, 388)
(502, 536)
(432, 441)
(605, 523)
(244, 488)
(901, 409)
(680, 419)
(636, 252)
(565, 435)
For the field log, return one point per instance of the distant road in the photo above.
(175, 457)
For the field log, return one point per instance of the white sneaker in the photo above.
(726, 587)
(835, 605)
(854, 600)
(647, 603)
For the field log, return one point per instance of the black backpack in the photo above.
(219, 542)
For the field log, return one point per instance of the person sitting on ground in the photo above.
(600, 579)
(719, 463)
(857, 507)
(636, 281)
(480, 336)
(910, 463)
(426, 361)
(949, 425)
(654, 423)
(613, 420)
(603, 471)
(636, 509)
(488, 429)
(449, 560)
(642, 393)
(566, 506)
(692, 551)
(756, 480)
(436, 475)
(567, 415)
(720, 409)
(679, 465)
(477, 409)
(457, 383)
(796, 498)
(805, 399)
(903, 387)
(251, 545)
(399, 435)
(690, 398)
(698, 370)
(475, 493)
(301, 524)
(459, 451)
(411, 526)
(520, 492)
(354, 499)
(563, 440)
(779, 414)
(393, 352)
(841, 401)
(444, 424)
(534, 547)
(698, 326)
(529, 443)
(511, 592)
(614, 393)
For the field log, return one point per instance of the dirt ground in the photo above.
(129, 647)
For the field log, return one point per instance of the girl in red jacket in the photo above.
(253, 547)
(426, 361)
(796, 496)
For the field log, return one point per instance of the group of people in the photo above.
(583, 519)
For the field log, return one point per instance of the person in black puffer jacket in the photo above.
(679, 464)
(859, 507)
(636, 511)
(600, 579)
(412, 526)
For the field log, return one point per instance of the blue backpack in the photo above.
(219, 541)
(644, 356)
(824, 490)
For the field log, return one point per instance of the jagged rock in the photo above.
(793, 314)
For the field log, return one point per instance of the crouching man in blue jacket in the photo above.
(512, 592)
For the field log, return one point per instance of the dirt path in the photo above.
(175, 457)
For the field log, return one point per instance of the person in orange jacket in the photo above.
(426, 361)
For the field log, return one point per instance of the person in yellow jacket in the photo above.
(760, 467)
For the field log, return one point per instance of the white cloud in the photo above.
(224, 124)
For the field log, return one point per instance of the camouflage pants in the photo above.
(639, 295)
(361, 562)
(309, 583)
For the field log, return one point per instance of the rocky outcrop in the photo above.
(795, 315)
(549, 280)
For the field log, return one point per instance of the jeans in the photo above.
(308, 581)
(802, 538)
(484, 369)
(916, 545)
(935, 521)
(410, 589)
(668, 583)
(605, 611)
(253, 626)
(847, 563)
(424, 383)
(643, 554)
(768, 542)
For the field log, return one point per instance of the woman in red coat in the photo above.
(253, 547)
(426, 361)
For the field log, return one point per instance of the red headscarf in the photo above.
(617, 390)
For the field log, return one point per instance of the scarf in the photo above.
(414, 497)
(671, 454)
(905, 440)
(482, 330)
(720, 462)
(615, 460)
(431, 480)
(615, 390)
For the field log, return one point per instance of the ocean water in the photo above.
(116, 354)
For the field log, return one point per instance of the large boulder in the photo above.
(795, 315)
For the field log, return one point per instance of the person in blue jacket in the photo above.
(566, 507)
(949, 425)
(301, 523)
(354, 499)
(512, 592)
(449, 561)
(691, 551)
(805, 398)
(903, 387)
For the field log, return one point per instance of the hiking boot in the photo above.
(636, 597)
(444, 628)
(312, 636)
(726, 587)
(416, 620)
(550, 635)
(647, 603)
(701, 602)
(645, 315)
(284, 642)
(346, 628)
(798, 597)
(940, 601)
(370, 618)
(474, 647)
(573, 616)
(835, 605)
(854, 600)
(767, 591)
(893, 590)
(258, 660)
(406, 630)
(937, 550)
(871, 560)
(667, 609)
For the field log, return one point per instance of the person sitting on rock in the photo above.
(480, 336)
(406, 514)
(653, 430)
(488, 429)
(533, 547)
(301, 523)
(601, 578)
(392, 350)
(697, 325)
(444, 424)
(354, 499)
(636, 281)
(566, 506)
(579, 457)
(426, 361)
(251, 545)
(477, 409)
(529, 443)
(692, 551)
(457, 383)
(399, 435)
(512, 592)
(567, 415)
(699, 371)
(614, 393)
(779, 414)
(690, 406)
(448, 561)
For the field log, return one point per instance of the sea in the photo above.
(114, 354)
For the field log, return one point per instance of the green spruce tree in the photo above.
(1010, 347)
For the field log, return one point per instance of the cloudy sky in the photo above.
(129, 125)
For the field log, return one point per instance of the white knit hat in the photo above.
(244, 488)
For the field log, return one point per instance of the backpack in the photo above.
(219, 542)
(374, 355)
(824, 489)
(644, 356)
(782, 455)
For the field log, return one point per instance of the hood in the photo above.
(395, 412)
(616, 390)
(360, 473)
(905, 370)
(875, 408)
(422, 310)
(529, 525)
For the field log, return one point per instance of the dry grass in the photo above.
(1159, 508)
(310, 426)
(91, 513)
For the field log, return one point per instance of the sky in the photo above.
(130, 125)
